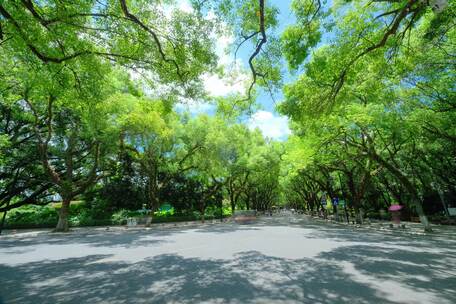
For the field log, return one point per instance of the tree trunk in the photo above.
(154, 206)
(442, 200)
(2, 224)
(336, 213)
(231, 195)
(360, 216)
(221, 210)
(154, 201)
(346, 213)
(62, 225)
(408, 186)
(203, 209)
(423, 218)
(247, 201)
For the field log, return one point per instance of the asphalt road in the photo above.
(276, 260)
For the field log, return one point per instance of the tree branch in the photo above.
(135, 20)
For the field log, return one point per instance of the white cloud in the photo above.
(229, 84)
(185, 6)
(168, 9)
(195, 107)
(234, 77)
(271, 126)
(223, 42)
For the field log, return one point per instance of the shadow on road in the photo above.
(171, 278)
(365, 268)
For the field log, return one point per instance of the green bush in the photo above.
(83, 218)
(80, 214)
(32, 216)
(94, 214)
(165, 210)
(227, 211)
(212, 211)
(120, 217)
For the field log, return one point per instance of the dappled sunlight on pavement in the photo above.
(274, 260)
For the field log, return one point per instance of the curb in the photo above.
(374, 228)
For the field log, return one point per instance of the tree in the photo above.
(175, 48)
(364, 31)
(262, 190)
(58, 59)
(362, 91)
(71, 150)
(22, 180)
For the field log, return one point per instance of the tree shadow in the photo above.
(250, 278)
(359, 269)
(129, 238)
(417, 269)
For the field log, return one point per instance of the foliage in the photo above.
(32, 216)
(362, 114)
(88, 109)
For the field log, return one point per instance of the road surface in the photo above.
(276, 260)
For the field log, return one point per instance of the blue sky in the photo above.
(285, 18)
(266, 118)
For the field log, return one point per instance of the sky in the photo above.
(271, 124)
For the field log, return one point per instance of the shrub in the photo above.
(75, 207)
(32, 216)
(120, 217)
(212, 211)
(123, 194)
(81, 214)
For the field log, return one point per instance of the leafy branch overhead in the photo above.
(362, 31)
(174, 47)
(92, 108)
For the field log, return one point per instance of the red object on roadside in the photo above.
(395, 208)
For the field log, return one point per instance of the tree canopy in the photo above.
(90, 94)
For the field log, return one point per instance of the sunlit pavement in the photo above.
(275, 260)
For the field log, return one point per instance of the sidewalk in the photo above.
(406, 228)
(89, 229)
